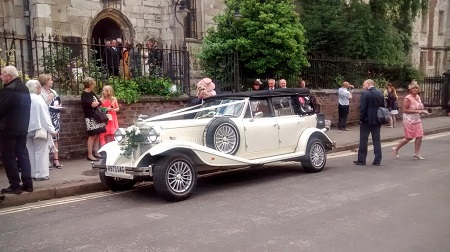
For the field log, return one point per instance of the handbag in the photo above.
(100, 117)
(40, 134)
(383, 115)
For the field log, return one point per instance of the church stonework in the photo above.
(138, 20)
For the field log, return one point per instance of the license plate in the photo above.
(115, 169)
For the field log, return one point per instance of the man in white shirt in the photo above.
(345, 95)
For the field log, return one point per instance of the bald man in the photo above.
(371, 100)
(15, 102)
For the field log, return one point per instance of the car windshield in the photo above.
(223, 107)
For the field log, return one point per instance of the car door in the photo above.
(290, 123)
(261, 130)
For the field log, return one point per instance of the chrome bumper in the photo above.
(129, 172)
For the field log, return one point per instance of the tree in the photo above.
(268, 38)
(379, 30)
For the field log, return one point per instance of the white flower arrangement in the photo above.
(133, 138)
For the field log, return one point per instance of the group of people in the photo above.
(30, 126)
(270, 84)
(29, 129)
(99, 133)
(125, 60)
(371, 100)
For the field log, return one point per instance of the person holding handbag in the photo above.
(91, 103)
(39, 128)
(391, 104)
(53, 101)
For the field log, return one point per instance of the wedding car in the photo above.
(226, 131)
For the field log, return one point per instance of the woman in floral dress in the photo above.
(110, 104)
(412, 108)
(52, 100)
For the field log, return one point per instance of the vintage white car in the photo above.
(227, 131)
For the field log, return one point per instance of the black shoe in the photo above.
(27, 189)
(358, 163)
(91, 159)
(10, 190)
(376, 164)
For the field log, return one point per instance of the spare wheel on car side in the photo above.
(222, 134)
(174, 177)
(115, 184)
(315, 157)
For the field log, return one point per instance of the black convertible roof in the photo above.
(264, 93)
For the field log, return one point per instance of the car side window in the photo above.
(258, 105)
(282, 106)
(305, 105)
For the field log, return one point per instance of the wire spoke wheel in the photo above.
(179, 176)
(317, 155)
(225, 139)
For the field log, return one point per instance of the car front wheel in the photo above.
(315, 157)
(174, 177)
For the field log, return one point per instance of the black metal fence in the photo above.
(323, 73)
(69, 61)
(435, 91)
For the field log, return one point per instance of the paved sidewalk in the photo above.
(76, 177)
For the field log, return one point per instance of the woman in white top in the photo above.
(39, 129)
(52, 99)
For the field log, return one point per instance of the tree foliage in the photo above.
(379, 30)
(269, 38)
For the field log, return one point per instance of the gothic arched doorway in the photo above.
(106, 29)
(108, 24)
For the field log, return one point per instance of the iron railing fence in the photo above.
(329, 72)
(435, 91)
(323, 73)
(69, 61)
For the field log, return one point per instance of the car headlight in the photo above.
(153, 135)
(119, 135)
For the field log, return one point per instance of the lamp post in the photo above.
(236, 16)
(183, 11)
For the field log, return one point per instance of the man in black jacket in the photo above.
(111, 57)
(371, 100)
(15, 105)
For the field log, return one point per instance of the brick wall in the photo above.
(73, 134)
(329, 104)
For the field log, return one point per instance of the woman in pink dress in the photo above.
(412, 125)
(110, 104)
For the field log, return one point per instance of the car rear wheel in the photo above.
(115, 184)
(222, 134)
(315, 157)
(174, 177)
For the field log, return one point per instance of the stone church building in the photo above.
(85, 21)
(134, 20)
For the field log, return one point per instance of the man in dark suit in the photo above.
(111, 57)
(371, 100)
(15, 105)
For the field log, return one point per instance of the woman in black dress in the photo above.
(90, 103)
